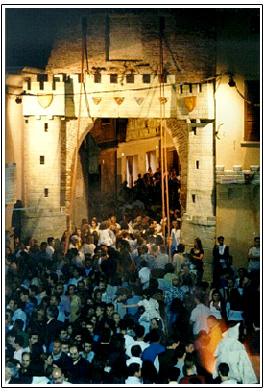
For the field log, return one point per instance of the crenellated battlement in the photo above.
(113, 96)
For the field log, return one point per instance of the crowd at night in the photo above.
(120, 307)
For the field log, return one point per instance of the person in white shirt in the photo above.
(18, 346)
(136, 356)
(144, 275)
(199, 314)
(50, 248)
(223, 370)
(134, 374)
(175, 235)
(254, 256)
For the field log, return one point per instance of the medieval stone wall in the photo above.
(127, 40)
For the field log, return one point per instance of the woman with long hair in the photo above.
(196, 258)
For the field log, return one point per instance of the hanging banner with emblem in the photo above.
(190, 103)
(119, 100)
(163, 100)
(139, 100)
(96, 100)
(45, 100)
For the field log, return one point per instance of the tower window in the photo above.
(42, 160)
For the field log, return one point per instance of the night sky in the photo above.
(30, 32)
(29, 36)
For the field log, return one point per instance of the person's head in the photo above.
(71, 289)
(65, 348)
(90, 327)
(134, 370)
(139, 331)
(189, 347)
(116, 317)
(136, 351)
(189, 362)
(70, 329)
(52, 312)
(57, 376)
(180, 352)
(33, 338)
(81, 286)
(220, 240)
(216, 296)
(155, 323)
(87, 344)
(24, 295)
(26, 358)
(57, 347)
(59, 289)
(154, 336)
(257, 242)
(18, 342)
(173, 374)
(176, 282)
(10, 371)
(55, 299)
(51, 241)
(230, 282)
(198, 243)
(169, 268)
(110, 310)
(53, 279)
(223, 369)
(74, 352)
(246, 279)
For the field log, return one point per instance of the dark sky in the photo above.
(29, 35)
(30, 32)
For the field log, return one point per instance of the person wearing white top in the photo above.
(136, 355)
(134, 374)
(175, 235)
(223, 370)
(198, 317)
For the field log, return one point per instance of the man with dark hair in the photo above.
(60, 359)
(81, 371)
(223, 370)
(18, 347)
(167, 359)
(198, 317)
(155, 348)
(50, 248)
(134, 374)
(53, 326)
(189, 371)
(136, 356)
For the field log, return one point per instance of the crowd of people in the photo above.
(124, 306)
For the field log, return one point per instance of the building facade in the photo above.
(112, 117)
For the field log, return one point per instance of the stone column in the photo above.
(199, 219)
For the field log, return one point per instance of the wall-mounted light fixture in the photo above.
(231, 81)
(18, 100)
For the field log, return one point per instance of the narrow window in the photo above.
(190, 87)
(252, 111)
(42, 160)
(97, 78)
(129, 78)
(194, 130)
(45, 127)
(193, 198)
(46, 192)
(146, 78)
(197, 164)
(114, 78)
